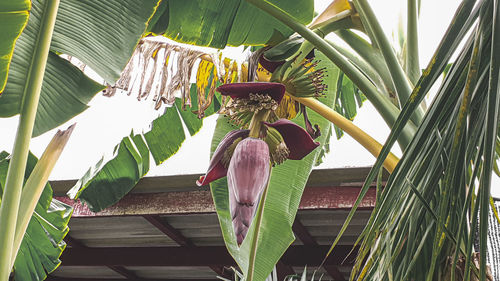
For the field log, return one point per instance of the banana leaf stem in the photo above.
(15, 174)
(399, 78)
(412, 56)
(386, 109)
(365, 67)
(372, 56)
(354, 131)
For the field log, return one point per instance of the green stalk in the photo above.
(386, 109)
(256, 122)
(15, 173)
(322, 31)
(399, 78)
(35, 185)
(255, 237)
(372, 56)
(412, 57)
(362, 65)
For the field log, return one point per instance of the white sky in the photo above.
(108, 120)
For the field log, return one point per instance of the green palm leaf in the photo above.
(284, 192)
(420, 227)
(226, 22)
(456, 31)
(97, 33)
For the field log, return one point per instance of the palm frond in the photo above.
(424, 227)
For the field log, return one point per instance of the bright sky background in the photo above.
(108, 120)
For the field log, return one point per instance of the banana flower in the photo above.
(246, 156)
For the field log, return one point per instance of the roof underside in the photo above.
(167, 229)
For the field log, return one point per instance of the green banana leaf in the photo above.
(102, 34)
(13, 18)
(348, 99)
(130, 163)
(226, 22)
(43, 242)
(105, 184)
(285, 190)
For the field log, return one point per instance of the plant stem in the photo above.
(355, 132)
(399, 78)
(253, 246)
(372, 56)
(362, 65)
(15, 173)
(35, 185)
(412, 57)
(256, 122)
(386, 109)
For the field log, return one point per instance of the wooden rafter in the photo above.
(190, 256)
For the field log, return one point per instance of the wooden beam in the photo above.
(123, 272)
(175, 235)
(191, 256)
(73, 243)
(168, 230)
(301, 232)
(334, 272)
(55, 278)
(189, 202)
(284, 270)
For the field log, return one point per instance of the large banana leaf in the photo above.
(226, 22)
(285, 190)
(13, 19)
(130, 163)
(102, 34)
(104, 185)
(43, 242)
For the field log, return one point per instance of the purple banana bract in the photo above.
(247, 176)
(296, 138)
(216, 169)
(243, 90)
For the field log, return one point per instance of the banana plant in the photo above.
(44, 219)
(31, 74)
(82, 38)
